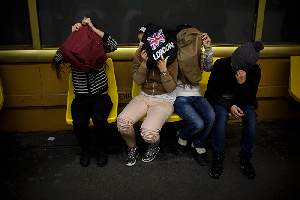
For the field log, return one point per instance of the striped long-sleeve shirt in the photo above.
(90, 83)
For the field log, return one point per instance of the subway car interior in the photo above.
(40, 153)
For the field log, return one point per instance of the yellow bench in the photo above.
(294, 85)
(1, 95)
(112, 92)
(174, 117)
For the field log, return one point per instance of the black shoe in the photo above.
(179, 149)
(151, 153)
(132, 156)
(201, 159)
(216, 169)
(247, 169)
(84, 159)
(101, 159)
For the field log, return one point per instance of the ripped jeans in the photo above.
(156, 113)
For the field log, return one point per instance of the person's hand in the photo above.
(236, 112)
(76, 27)
(140, 45)
(241, 76)
(144, 56)
(87, 21)
(162, 64)
(206, 40)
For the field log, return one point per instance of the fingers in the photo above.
(205, 39)
(241, 76)
(76, 27)
(164, 59)
(141, 44)
(144, 55)
(204, 36)
(86, 20)
(237, 112)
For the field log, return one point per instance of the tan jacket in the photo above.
(152, 82)
(189, 54)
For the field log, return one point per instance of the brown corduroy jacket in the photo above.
(151, 81)
(189, 54)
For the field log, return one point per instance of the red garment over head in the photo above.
(84, 50)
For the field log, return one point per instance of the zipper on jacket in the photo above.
(153, 82)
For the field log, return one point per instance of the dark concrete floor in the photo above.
(33, 168)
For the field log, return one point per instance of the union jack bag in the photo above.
(159, 42)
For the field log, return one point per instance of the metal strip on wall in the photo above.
(260, 19)
(34, 24)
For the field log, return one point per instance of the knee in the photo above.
(150, 136)
(199, 126)
(211, 116)
(125, 126)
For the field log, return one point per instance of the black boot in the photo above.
(201, 159)
(216, 169)
(181, 146)
(82, 135)
(101, 158)
(101, 146)
(84, 159)
(247, 169)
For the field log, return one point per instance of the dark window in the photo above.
(281, 23)
(227, 21)
(15, 25)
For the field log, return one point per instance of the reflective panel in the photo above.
(227, 21)
(281, 23)
(15, 25)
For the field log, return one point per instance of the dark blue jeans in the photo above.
(198, 114)
(219, 129)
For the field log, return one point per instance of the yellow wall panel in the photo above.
(35, 99)
(33, 119)
(22, 84)
(275, 72)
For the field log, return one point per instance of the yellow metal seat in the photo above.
(1, 95)
(112, 92)
(294, 85)
(204, 81)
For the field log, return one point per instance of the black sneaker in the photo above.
(132, 156)
(216, 169)
(180, 149)
(201, 159)
(101, 159)
(247, 169)
(151, 153)
(84, 159)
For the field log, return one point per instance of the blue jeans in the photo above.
(219, 128)
(198, 114)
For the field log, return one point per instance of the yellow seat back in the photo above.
(1, 95)
(294, 85)
(112, 92)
